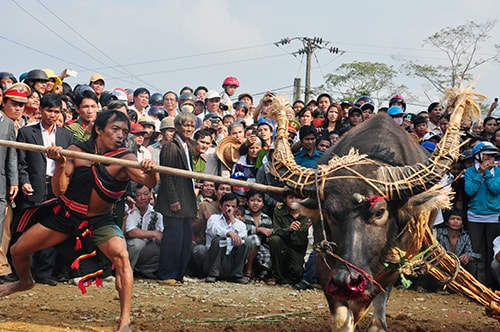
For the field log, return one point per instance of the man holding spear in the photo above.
(86, 192)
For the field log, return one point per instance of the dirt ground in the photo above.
(197, 306)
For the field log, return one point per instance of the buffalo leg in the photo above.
(378, 323)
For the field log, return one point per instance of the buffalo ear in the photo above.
(437, 197)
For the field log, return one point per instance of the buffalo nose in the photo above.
(347, 284)
(345, 278)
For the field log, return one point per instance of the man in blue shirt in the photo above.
(307, 156)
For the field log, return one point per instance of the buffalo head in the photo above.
(363, 195)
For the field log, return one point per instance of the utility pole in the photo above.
(310, 45)
(296, 88)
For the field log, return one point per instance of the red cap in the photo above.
(136, 128)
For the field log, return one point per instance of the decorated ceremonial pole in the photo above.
(134, 164)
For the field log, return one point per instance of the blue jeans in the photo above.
(175, 248)
(309, 276)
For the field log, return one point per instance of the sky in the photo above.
(165, 45)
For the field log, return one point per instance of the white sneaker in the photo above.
(75, 281)
(109, 279)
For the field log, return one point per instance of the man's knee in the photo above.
(135, 245)
(121, 259)
(247, 244)
(14, 250)
(200, 252)
(275, 241)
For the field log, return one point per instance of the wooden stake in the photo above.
(159, 169)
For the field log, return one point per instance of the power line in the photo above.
(397, 48)
(276, 89)
(77, 65)
(183, 57)
(41, 52)
(94, 46)
(310, 45)
(123, 79)
(55, 33)
(211, 65)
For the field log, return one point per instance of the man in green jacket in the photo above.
(289, 242)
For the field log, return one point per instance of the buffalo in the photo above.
(364, 196)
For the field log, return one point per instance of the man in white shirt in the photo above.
(143, 229)
(141, 101)
(227, 243)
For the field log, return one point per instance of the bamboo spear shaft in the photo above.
(134, 164)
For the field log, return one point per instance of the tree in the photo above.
(355, 79)
(461, 45)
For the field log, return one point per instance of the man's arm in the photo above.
(24, 178)
(144, 234)
(145, 175)
(473, 181)
(170, 156)
(281, 222)
(64, 169)
(492, 107)
(11, 170)
(215, 227)
(493, 181)
(23, 163)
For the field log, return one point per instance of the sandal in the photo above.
(247, 276)
(271, 282)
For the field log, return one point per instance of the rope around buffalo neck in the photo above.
(318, 198)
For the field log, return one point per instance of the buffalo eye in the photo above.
(380, 213)
(379, 216)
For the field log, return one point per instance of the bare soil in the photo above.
(198, 306)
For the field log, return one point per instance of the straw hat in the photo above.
(227, 151)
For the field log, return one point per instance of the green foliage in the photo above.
(460, 45)
(355, 79)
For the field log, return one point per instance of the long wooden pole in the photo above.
(159, 169)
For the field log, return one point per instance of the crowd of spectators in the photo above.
(186, 227)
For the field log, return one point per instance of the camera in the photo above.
(223, 107)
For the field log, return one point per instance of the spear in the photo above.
(134, 164)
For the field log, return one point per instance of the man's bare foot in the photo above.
(124, 328)
(15, 287)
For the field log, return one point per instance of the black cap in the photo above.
(211, 116)
(355, 109)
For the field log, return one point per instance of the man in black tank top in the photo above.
(72, 213)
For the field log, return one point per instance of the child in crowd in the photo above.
(260, 227)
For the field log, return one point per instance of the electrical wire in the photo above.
(57, 34)
(320, 69)
(211, 65)
(77, 65)
(276, 89)
(183, 57)
(94, 46)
